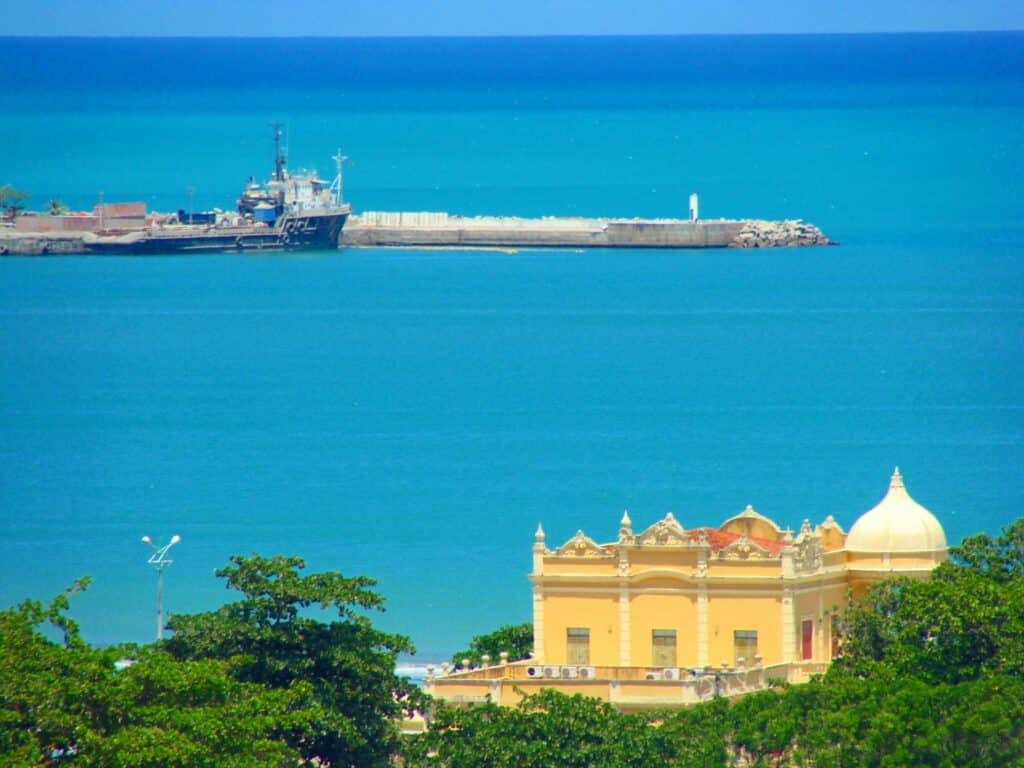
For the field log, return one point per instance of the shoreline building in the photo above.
(669, 615)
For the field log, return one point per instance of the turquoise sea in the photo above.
(412, 415)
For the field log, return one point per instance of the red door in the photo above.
(807, 635)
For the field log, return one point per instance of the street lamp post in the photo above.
(159, 560)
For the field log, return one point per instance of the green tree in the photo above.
(347, 664)
(1000, 559)
(56, 207)
(12, 200)
(544, 730)
(66, 704)
(516, 639)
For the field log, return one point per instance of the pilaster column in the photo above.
(702, 625)
(538, 625)
(788, 625)
(626, 540)
(701, 575)
(788, 616)
(625, 625)
(539, 550)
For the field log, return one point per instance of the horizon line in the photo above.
(522, 36)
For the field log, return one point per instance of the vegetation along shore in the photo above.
(931, 674)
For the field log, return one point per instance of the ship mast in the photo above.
(339, 160)
(279, 158)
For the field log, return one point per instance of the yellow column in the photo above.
(788, 604)
(538, 625)
(625, 625)
(625, 632)
(704, 550)
(539, 550)
(702, 625)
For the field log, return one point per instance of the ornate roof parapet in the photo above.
(832, 534)
(626, 529)
(808, 549)
(752, 523)
(582, 545)
(667, 532)
(743, 548)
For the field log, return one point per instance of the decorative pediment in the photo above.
(808, 549)
(667, 532)
(744, 549)
(581, 545)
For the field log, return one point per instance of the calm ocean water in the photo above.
(413, 415)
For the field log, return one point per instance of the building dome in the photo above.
(896, 524)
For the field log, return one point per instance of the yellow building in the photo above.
(671, 615)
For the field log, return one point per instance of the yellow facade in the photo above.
(682, 614)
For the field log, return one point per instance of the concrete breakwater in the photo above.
(446, 231)
(41, 243)
(387, 228)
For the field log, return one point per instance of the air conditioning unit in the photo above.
(670, 673)
(570, 672)
(588, 673)
(552, 672)
(654, 674)
(534, 672)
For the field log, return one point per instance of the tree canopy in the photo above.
(515, 639)
(64, 703)
(12, 200)
(258, 683)
(347, 663)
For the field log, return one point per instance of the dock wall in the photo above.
(41, 243)
(389, 228)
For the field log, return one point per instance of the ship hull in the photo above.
(319, 230)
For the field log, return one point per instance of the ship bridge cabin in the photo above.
(670, 615)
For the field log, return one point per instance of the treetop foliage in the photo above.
(348, 664)
(516, 639)
(66, 704)
(12, 200)
(256, 683)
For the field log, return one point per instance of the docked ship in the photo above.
(291, 211)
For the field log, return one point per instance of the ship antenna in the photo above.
(279, 158)
(339, 160)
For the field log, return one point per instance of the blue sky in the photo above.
(508, 17)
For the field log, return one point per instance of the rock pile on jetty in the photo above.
(757, 233)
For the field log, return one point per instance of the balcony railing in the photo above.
(533, 671)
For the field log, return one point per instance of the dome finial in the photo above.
(539, 535)
(625, 522)
(896, 481)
